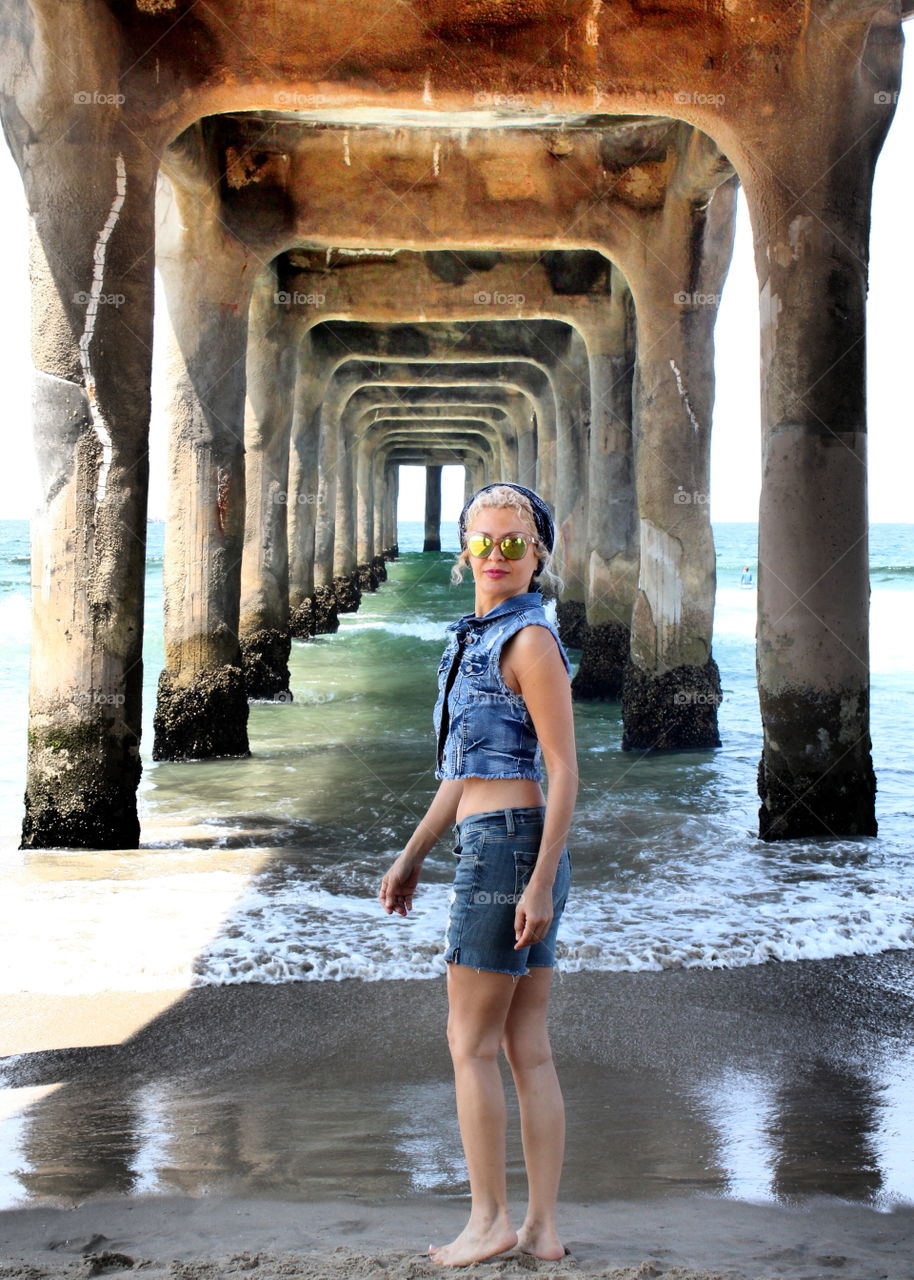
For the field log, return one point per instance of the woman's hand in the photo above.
(533, 916)
(399, 885)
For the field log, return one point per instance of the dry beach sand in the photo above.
(753, 1123)
(192, 1238)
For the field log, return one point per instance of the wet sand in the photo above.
(756, 1122)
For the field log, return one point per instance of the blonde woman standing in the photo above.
(503, 709)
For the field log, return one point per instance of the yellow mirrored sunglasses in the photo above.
(512, 548)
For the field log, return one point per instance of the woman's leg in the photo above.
(542, 1110)
(479, 1001)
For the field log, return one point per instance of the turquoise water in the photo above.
(266, 868)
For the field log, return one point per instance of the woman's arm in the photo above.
(399, 883)
(536, 665)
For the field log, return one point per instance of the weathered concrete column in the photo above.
(264, 617)
(474, 478)
(393, 492)
(526, 448)
(369, 550)
(572, 384)
(612, 515)
(336, 588)
(816, 775)
(91, 205)
(432, 540)
(383, 486)
(346, 585)
(672, 685)
(325, 504)
(339, 579)
(312, 607)
(202, 708)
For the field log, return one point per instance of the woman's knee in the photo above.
(469, 1042)
(526, 1047)
(478, 1006)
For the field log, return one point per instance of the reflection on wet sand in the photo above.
(711, 1081)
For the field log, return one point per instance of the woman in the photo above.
(504, 703)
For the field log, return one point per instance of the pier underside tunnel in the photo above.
(531, 297)
(473, 296)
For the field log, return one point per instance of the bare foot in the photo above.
(541, 1242)
(474, 1245)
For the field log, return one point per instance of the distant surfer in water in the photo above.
(746, 579)
(503, 707)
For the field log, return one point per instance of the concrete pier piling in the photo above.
(92, 233)
(508, 264)
(432, 540)
(201, 707)
(671, 690)
(263, 627)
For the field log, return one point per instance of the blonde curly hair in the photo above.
(544, 578)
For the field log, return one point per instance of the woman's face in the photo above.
(496, 577)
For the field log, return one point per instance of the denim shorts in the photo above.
(496, 853)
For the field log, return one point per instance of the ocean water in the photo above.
(266, 869)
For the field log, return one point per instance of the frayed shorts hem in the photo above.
(485, 968)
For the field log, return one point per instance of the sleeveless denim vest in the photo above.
(488, 731)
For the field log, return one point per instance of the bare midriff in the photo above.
(479, 795)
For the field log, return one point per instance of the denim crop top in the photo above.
(488, 732)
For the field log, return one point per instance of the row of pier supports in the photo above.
(531, 296)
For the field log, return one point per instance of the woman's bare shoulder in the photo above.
(533, 637)
(532, 644)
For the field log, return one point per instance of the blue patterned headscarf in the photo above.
(542, 517)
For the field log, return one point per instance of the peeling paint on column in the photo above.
(660, 578)
(223, 490)
(770, 307)
(591, 24)
(683, 395)
(95, 292)
(362, 253)
(801, 229)
(347, 159)
(800, 232)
